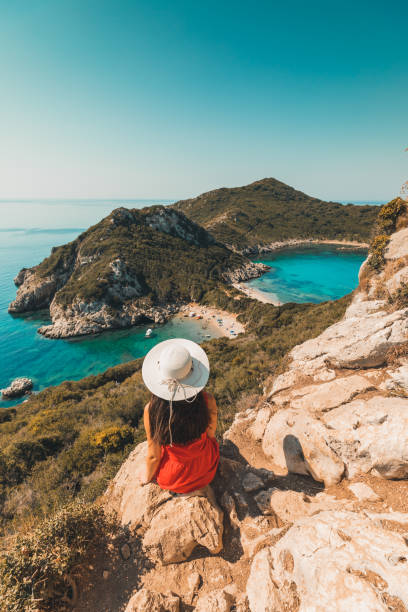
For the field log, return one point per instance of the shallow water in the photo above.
(310, 274)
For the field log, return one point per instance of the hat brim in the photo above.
(192, 384)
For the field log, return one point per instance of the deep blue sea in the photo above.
(300, 275)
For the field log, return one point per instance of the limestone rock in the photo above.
(217, 601)
(171, 526)
(357, 342)
(320, 398)
(134, 504)
(397, 245)
(297, 442)
(289, 506)
(19, 387)
(182, 524)
(363, 492)
(370, 435)
(398, 379)
(150, 601)
(331, 561)
(400, 277)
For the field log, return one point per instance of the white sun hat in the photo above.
(176, 369)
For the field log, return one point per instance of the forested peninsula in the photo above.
(131, 267)
(255, 217)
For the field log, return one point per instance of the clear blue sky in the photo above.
(169, 99)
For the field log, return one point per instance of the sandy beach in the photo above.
(256, 294)
(218, 321)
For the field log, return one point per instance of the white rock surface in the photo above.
(19, 387)
(363, 492)
(180, 525)
(397, 245)
(370, 435)
(332, 561)
(297, 442)
(320, 398)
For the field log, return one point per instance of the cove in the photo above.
(309, 273)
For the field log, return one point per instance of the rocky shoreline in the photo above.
(81, 318)
(294, 243)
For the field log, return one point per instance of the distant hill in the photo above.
(132, 266)
(269, 211)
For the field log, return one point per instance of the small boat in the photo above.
(148, 333)
(208, 335)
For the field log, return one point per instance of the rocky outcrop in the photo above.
(83, 318)
(171, 525)
(331, 561)
(246, 272)
(19, 387)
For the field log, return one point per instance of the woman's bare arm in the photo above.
(153, 448)
(213, 412)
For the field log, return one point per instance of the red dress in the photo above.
(187, 467)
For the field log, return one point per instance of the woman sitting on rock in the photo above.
(180, 419)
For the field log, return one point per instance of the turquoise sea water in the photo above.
(310, 274)
(24, 352)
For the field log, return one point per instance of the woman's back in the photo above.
(187, 465)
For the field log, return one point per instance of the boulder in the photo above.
(171, 525)
(19, 387)
(357, 341)
(150, 601)
(182, 524)
(134, 504)
(297, 442)
(331, 561)
(371, 434)
(217, 601)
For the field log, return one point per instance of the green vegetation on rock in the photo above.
(38, 569)
(269, 211)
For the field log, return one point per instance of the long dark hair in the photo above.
(190, 419)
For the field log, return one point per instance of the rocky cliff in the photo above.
(133, 265)
(308, 510)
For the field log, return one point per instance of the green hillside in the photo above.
(268, 210)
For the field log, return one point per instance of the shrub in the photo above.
(400, 297)
(388, 215)
(37, 569)
(377, 250)
(113, 439)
